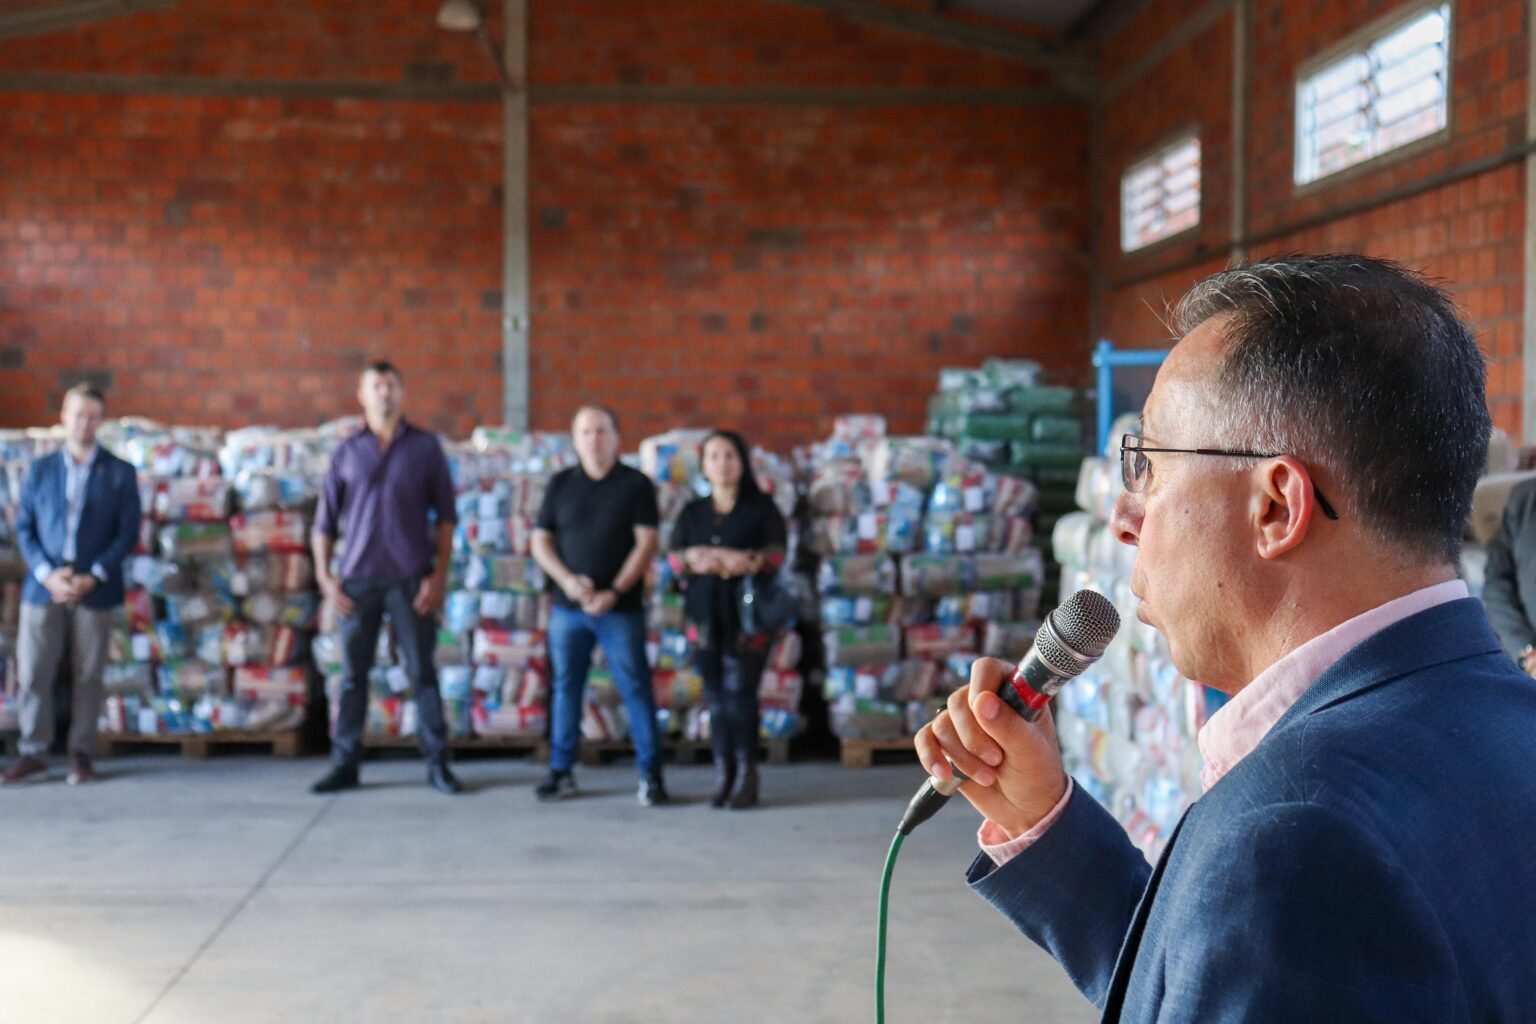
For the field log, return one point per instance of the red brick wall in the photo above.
(236, 261)
(743, 42)
(232, 261)
(768, 266)
(1469, 232)
(1137, 315)
(1179, 95)
(773, 268)
(1488, 101)
(277, 40)
(1185, 91)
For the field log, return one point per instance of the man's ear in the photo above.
(1283, 506)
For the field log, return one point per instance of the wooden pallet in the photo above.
(861, 753)
(199, 745)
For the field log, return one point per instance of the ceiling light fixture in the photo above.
(466, 16)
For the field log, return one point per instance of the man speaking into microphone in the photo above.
(1364, 848)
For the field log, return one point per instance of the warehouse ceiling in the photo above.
(27, 17)
(1053, 15)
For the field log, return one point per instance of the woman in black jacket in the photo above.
(735, 532)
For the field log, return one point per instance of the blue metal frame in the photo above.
(1107, 359)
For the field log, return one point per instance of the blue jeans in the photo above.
(572, 634)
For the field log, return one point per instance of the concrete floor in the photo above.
(179, 891)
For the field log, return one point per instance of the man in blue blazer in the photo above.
(77, 522)
(1363, 850)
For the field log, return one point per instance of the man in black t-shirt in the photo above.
(594, 539)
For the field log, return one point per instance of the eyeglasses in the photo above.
(1136, 468)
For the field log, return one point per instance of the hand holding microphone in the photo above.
(995, 730)
(1014, 767)
(995, 742)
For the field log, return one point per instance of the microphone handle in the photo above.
(1031, 688)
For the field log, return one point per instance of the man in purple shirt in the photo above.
(386, 485)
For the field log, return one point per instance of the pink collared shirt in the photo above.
(1240, 725)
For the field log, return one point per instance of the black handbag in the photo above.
(766, 606)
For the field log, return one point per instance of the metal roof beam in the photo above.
(1070, 71)
(69, 14)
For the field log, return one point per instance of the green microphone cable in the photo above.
(930, 797)
(885, 899)
(1070, 639)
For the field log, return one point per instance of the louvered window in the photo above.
(1160, 196)
(1370, 101)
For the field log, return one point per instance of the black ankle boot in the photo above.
(746, 786)
(340, 777)
(725, 779)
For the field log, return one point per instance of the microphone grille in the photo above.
(1056, 657)
(1086, 622)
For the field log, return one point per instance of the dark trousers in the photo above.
(735, 715)
(415, 639)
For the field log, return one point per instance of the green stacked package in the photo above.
(1004, 416)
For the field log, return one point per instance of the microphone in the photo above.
(1070, 639)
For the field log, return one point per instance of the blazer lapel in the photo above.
(58, 484)
(1445, 633)
(1114, 1002)
(95, 480)
(1448, 632)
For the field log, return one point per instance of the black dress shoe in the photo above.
(336, 780)
(725, 781)
(443, 780)
(556, 786)
(746, 788)
(652, 791)
(27, 769)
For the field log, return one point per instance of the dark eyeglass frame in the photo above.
(1128, 478)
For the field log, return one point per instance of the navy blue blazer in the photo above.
(1373, 859)
(109, 524)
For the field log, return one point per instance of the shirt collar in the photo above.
(599, 479)
(90, 457)
(365, 433)
(1239, 726)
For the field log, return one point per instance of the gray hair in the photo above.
(1364, 369)
(1259, 419)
